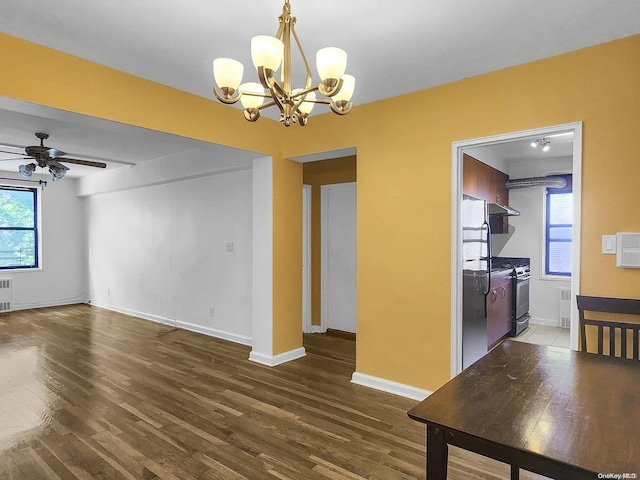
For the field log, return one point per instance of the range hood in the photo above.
(501, 210)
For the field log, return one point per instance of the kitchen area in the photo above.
(503, 256)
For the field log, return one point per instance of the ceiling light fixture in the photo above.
(57, 171)
(268, 54)
(27, 170)
(543, 142)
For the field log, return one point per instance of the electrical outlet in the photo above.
(229, 246)
(212, 311)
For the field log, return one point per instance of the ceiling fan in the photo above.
(48, 157)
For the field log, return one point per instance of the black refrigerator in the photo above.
(476, 278)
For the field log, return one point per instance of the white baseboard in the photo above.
(318, 329)
(273, 360)
(388, 386)
(212, 332)
(61, 303)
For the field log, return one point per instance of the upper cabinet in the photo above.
(486, 183)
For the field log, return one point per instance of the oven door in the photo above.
(522, 295)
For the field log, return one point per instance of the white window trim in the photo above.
(39, 268)
(543, 245)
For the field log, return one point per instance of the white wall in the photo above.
(161, 252)
(526, 236)
(63, 276)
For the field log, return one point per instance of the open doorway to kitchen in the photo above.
(554, 259)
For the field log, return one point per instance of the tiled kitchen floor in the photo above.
(545, 335)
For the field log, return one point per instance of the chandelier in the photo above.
(268, 54)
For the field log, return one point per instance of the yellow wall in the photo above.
(404, 177)
(287, 258)
(404, 189)
(316, 174)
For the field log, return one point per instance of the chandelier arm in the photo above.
(341, 110)
(255, 94)
(251, 114)
(324, 101)
(304, 92)
(330, 91)
(300, 117)
(285, 73)
(307, 82)
(267, 105)
(224, 98)
(268, 81)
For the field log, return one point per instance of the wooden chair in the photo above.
(610, 305)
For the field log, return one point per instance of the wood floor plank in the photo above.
(93, 394)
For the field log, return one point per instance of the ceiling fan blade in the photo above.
(88, 163)
(14, 153)
(11, 159)
(54, 153)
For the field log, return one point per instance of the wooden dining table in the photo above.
(553, 411)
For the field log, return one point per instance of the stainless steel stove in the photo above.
(521, 278)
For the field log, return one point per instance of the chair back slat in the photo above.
(625, 306)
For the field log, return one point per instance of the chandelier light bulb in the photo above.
(534, 144)
(545, 148)
(267, 52)
(346, 92)
(331, 63)
(251, 101)
(227, 73)
(307, 105)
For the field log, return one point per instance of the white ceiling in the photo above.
(520, 150)
(394, 47)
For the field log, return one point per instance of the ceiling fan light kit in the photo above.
(50, 158)
(268, 54)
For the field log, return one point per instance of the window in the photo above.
(18, 227)
(558, 230)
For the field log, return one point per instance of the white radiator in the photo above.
(6, 293)
(564, 307)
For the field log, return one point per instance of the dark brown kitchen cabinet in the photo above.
(486, 183)
(499, 306)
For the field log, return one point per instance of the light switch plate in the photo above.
(609, 245)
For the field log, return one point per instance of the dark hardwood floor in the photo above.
(86, 393)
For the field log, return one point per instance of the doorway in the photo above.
(458, 148)
(338, 240)
(323, 175)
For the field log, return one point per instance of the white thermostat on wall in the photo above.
(628, 251)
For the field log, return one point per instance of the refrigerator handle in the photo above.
(488, 228)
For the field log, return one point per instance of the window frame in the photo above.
(548, 192)
(36, 229)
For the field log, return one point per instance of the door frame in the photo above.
(456, 227)
(306, 259)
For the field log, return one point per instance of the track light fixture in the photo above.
(268, 54)
(542, 142)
